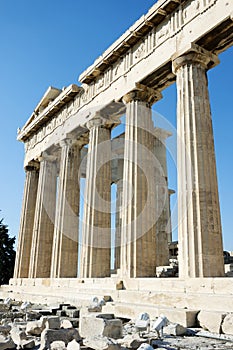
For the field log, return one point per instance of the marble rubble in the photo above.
(17, 332)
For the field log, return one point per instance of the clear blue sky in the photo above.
(47, 43)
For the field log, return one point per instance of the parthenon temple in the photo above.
(73, 158)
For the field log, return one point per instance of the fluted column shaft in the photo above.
(96, 230)
(200, 237)
(26, 223)
(65, 241)
(162, 200)
(138, 257)
(117, 256)
(42, 240)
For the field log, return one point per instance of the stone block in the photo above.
(101, 343)
(107, 298)
(91, 326)
(211, 320)
(143, 322)
(53, 322)
(227, 325)
(94, 308)
(175, 329)
(119, 285)
(35, 327)
(73, 345)
(50, 335)
(66, 324)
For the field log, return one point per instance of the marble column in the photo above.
(42, 240)
(65, 240)
(138, 248)
(26, 222)
(117, 244)
(96, 229)
(169, 225)
(200, 236)
(162, 200)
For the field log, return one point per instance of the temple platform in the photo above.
(179, 300)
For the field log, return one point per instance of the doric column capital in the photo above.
(32, 165)
(66, 142)
(95, 122)
(195, 55)
(81, 141)
(46, 157)
(144, 94)
(101, 120)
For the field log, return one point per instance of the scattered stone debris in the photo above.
(143, 322)
(40, 327)
(159, 325)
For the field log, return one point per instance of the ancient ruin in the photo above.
(69, 136)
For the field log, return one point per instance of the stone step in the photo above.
(185, 317)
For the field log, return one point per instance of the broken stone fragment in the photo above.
(66, 324)
(119, 285)
(94, 308)
(34, 327)
(17, 335)
(50, 335)
(227, 326)
(211, 320)
(175, 329)
(132, 341)
(101, 343)
(73, 345)
(143, 322)
(25, 306)
(58, 345)
(8, 301)
(91, 326)
(107, 298)
(145, 346)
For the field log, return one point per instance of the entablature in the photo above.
(147, 60)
